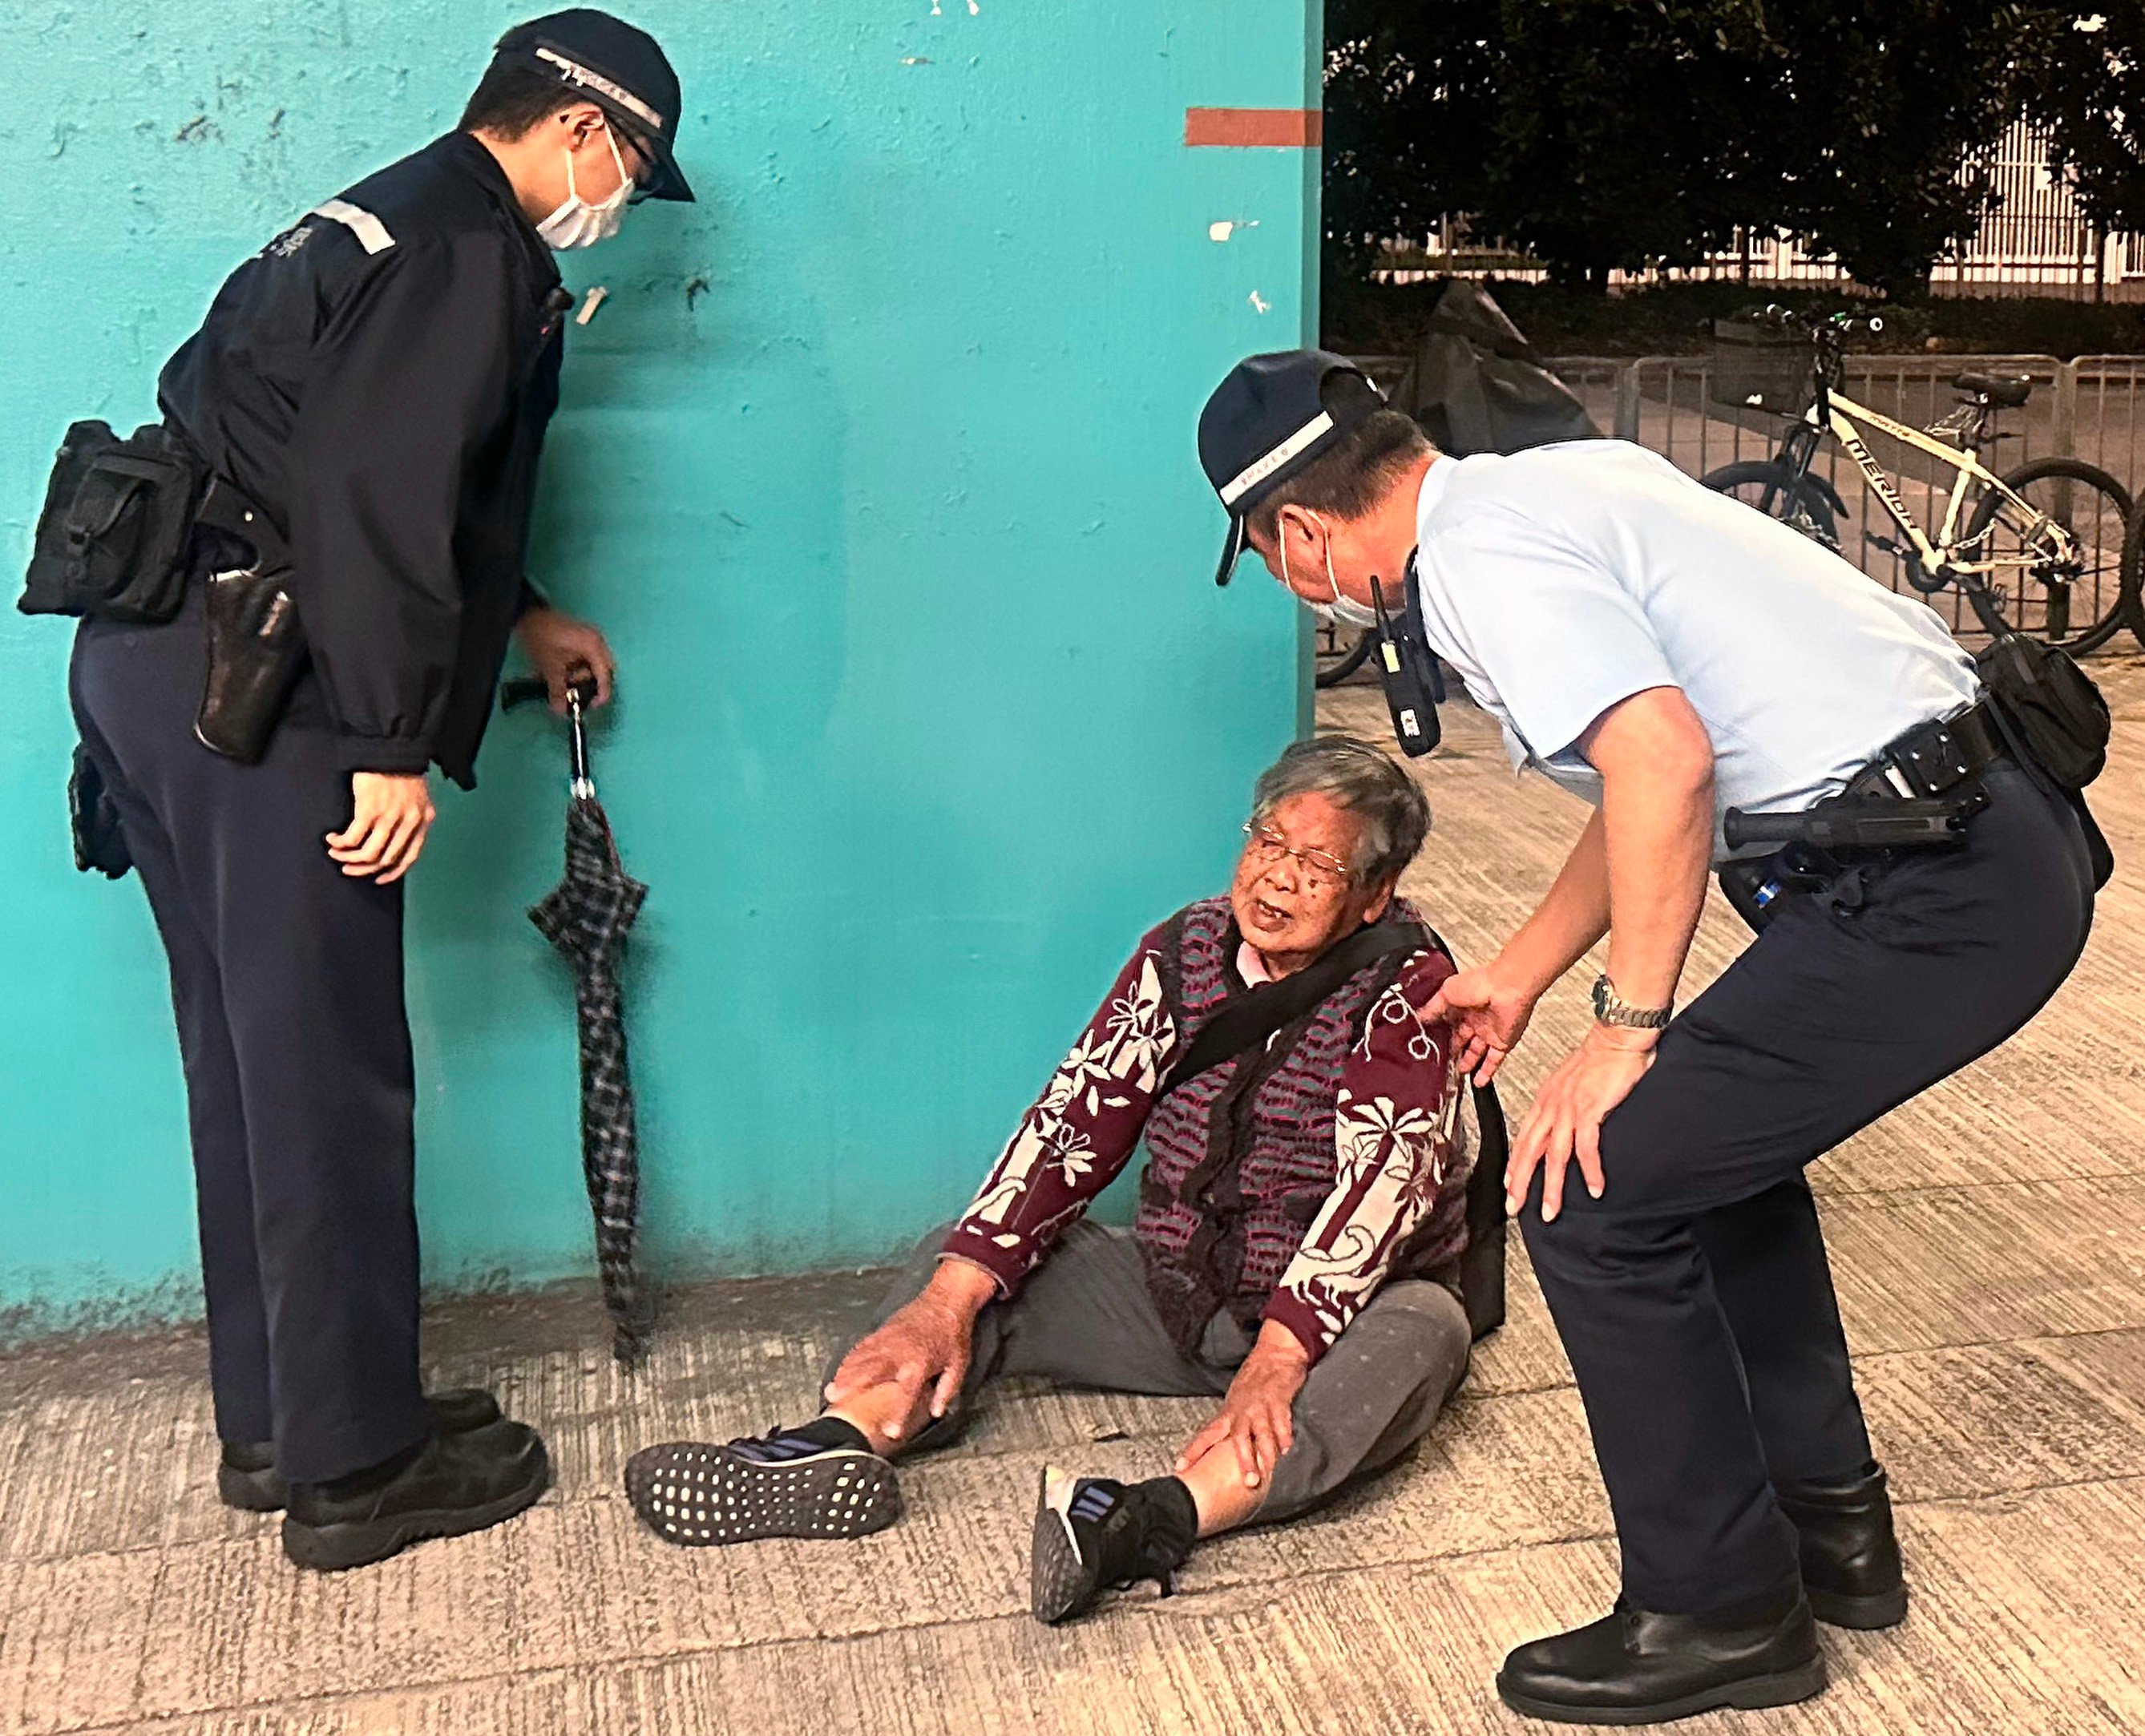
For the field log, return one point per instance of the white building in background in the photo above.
(2036, 241)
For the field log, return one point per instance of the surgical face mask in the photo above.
(1343, 611)
(579, 224)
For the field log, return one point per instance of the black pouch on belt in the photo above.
(2051, 705)
(100, 847)
(117, 523)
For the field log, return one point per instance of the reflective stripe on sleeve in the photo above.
(370, 232)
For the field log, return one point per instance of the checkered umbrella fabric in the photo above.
(587, 916)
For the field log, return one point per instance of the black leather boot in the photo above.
(247, 1478)
(1636, 1667)
(450, 1485)
(1851, 1556)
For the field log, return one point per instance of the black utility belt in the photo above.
(1917, 794)
(128, 526)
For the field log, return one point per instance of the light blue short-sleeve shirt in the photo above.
(1562, 579)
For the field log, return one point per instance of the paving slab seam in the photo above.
(599, 1493)
(679, 1652)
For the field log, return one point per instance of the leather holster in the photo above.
(256, 649)
(255, 652)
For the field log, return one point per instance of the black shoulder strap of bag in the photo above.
(1247, 1019)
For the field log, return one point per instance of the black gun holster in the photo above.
(255, 649)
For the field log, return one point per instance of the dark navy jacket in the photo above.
(378, 379)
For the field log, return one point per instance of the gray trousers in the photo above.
(1085, 1318)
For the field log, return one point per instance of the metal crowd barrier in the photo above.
(2090, 408)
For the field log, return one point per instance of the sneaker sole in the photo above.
(1056, 1578)
(1753, 1693)
(697, 1495)
(1862, 1610)
(360, 1543)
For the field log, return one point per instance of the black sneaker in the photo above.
(792, 1482)
(455, 1485)
(247, 1478)
(1094, 1534)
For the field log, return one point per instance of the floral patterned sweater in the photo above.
(1287, 1185)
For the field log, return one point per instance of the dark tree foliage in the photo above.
(2085, 82)
(1880, 104)
(1614, 134)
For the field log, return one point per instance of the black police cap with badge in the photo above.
(619, 69)
(1273, 417)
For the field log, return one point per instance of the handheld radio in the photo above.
(1408, 672)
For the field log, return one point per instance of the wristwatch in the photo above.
(1610, 1008)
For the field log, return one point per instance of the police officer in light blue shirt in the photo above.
(1672, 656)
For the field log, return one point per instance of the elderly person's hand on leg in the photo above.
(881, 1384)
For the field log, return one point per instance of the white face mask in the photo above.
(579, 224)
(1342, 611)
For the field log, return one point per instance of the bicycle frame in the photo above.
(1833, 412)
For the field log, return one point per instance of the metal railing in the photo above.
(2093, 408)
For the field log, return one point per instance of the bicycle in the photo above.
(1335, 658)
(2044, 541)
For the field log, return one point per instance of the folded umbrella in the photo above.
(587, 916)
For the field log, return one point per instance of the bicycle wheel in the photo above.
(1334, 671)
(2059, 577)
(1775, 491)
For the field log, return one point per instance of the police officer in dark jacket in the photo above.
(375, 385)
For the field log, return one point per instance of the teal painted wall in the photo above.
(877, 469)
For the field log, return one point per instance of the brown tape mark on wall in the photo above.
(1273, 127)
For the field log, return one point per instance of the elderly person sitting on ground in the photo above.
(1295, 1250)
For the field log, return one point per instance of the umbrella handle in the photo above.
(528, 690)
(583, 784)
(580, 691)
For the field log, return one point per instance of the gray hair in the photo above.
(1353, 775)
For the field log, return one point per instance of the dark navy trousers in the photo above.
(287, 980)
(1693, 1298)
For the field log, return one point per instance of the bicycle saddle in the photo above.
(2009, 390)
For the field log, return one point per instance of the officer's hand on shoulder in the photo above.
(560, 648)
(390, 815)
(1487, 1018)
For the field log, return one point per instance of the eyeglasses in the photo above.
(1268, 850)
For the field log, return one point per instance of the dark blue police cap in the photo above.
(617, 67)
(1270, 418)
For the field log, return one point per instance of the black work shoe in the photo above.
(454, 1483)
(782, 1485)
(247, 1478)
(1851, 1556)
(1634, 1667)
(1093, 1534)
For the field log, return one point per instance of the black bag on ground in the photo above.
(118, 518)
(1479, 386)
(2051, 705)
(1247, 1021)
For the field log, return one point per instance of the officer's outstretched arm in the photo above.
(411, 371)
